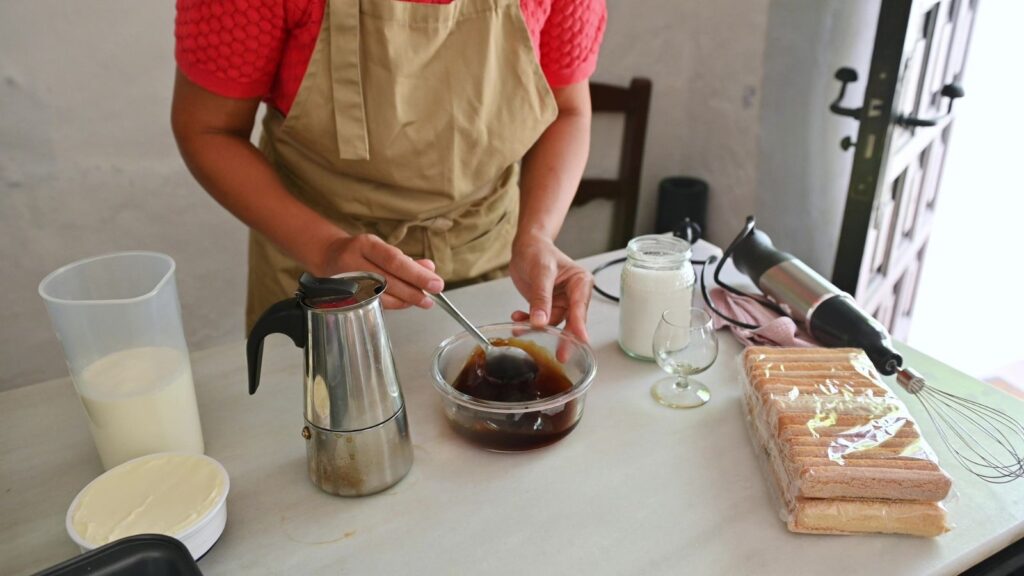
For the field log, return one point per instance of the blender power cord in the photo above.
(595, 271)
(711, 304)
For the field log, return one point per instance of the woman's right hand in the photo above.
(407, 278)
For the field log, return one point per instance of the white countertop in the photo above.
(636, 489)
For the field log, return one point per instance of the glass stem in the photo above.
(683, 382)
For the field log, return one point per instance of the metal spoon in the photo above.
(502, 363)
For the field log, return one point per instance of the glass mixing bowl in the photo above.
(515, 426)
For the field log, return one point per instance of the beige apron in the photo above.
(409, 124)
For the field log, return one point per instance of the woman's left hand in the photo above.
(555, 287)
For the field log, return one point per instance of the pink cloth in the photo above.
(774, 330)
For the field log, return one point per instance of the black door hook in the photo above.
(845, 76)
(951, 91)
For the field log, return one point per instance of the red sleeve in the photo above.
(571, 39)
(230, 47)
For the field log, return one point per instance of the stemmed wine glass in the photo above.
(685, 344)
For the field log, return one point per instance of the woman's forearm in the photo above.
(218, 153)
(554, 165)
(240, 179)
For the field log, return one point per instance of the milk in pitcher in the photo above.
(140, 401)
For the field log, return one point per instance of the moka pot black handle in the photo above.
(287, 317)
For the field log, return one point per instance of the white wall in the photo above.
(88, 164)
(803, 173)
(741, 95)
(704, 61)
(719, 135)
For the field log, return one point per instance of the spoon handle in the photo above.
(445, 304)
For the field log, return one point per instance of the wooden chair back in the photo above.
(624, 190)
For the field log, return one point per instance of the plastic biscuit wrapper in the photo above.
(842, 451)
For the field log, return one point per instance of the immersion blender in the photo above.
(830, 315)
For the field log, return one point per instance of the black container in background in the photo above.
(681, 197)
(141, 555)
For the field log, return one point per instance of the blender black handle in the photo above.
(286, 317)
(755, 254)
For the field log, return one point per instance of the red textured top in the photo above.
(261, 48)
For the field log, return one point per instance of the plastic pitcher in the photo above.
(119, 321)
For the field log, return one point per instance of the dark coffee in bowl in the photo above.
(518, 431)
(549, 378)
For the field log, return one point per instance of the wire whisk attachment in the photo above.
(987, 442)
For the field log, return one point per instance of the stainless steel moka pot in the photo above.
(356, 431)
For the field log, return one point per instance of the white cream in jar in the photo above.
(161, 493)
(657, 276)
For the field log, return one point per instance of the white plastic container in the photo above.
(657, 276)
(179, 495)
(119, 321)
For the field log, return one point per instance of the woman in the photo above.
(392, 139)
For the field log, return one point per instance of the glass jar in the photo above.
(657, 276)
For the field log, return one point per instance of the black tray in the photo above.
(144, 554)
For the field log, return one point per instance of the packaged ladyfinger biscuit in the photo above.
(842, 451)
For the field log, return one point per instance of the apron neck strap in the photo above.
(346, 79)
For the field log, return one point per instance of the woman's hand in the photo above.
(407, 278)
(555, 287)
